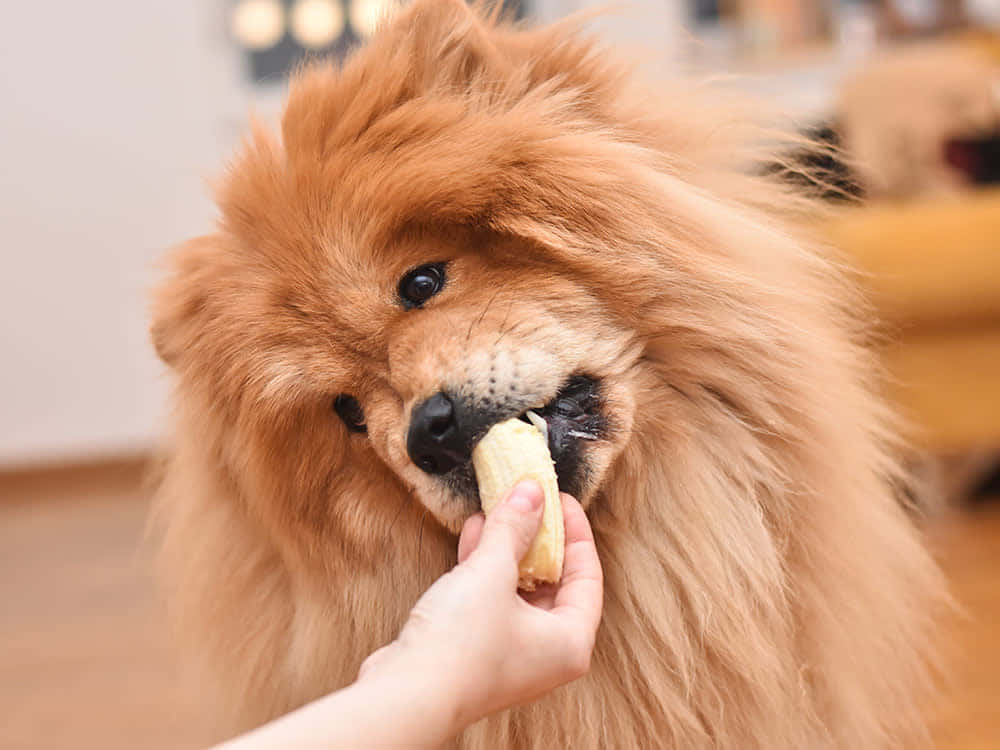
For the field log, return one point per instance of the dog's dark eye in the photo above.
(349, 410)
(420, 284)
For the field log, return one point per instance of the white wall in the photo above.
(650, 30)
(658, 34)
(113, 113)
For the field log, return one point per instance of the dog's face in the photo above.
(382, 291)
(443, 334)
(413, 353)
(476, 330)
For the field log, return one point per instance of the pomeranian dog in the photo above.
(469, 220)
(918, 120)
(923, 119)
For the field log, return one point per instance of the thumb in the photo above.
(512, 525)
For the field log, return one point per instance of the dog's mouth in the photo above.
(574, 415)
(573, 418)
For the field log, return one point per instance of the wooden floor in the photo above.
(84, 655)
(968, 546)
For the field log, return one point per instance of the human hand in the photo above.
(477, 642)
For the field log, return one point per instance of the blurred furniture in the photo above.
(933, 269)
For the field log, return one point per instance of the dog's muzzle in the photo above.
(445, 428)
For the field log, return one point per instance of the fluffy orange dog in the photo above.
(467, 221)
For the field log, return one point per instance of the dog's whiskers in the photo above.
(504, 328)
(503, 323)
(482, 316)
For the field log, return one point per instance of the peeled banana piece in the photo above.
(509, 452)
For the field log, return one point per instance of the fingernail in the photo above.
(526, 496)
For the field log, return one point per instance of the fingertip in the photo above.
(512, 524)
(527, 496)
(580, 592)
(470, 524)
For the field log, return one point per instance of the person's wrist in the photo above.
(427, 694)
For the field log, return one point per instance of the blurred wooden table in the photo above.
(85, 660)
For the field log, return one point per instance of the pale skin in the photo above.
(472, 645)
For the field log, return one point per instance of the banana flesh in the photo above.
(509, 452)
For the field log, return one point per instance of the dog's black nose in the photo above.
(435, 441)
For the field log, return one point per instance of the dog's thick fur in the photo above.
(763, 587)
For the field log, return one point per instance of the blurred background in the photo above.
(115, 116)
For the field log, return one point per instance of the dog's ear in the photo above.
(179, 310)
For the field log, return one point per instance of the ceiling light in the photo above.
(258, 24)
(317, 23)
